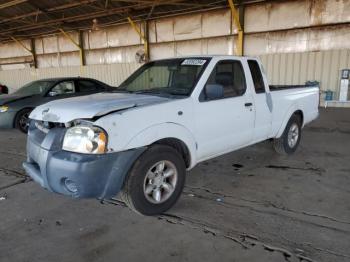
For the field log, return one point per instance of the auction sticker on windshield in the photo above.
(196, 62)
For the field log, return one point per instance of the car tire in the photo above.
(288, 143)
(22, 120)
(155, 181)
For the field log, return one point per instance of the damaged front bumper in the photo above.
(77, 175)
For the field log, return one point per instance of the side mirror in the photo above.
(214, 91)
(53, 93)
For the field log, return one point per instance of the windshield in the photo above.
(173, 76)
(34, 88)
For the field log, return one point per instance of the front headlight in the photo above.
(85, 139)
(3, 109)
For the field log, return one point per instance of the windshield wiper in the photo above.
(162, 91)
(177, 92)
(120, 91)
(148, 92)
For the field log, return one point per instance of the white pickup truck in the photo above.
(164, 119)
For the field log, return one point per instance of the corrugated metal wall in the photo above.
(282, 68)
(297, 68)
(112, 74)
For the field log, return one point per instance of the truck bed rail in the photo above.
(283, 87)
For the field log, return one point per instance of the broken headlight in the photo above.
(86, 140)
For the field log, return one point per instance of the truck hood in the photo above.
(87, 107)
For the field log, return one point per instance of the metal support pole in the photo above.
(82, 50)
(31, 50)
(146, 46)
(32, 46)
(143, 37)
(79, 45)
(237, 17)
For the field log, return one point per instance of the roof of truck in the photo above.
(207, 56)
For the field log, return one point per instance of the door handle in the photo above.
(248, 104)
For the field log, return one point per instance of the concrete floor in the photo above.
(250, 205)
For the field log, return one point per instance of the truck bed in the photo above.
(292, 97)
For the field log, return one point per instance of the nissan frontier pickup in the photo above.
(163, 120)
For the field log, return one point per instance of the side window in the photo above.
(88, 86)
(229, 74)
(62, 88)
(257, 76)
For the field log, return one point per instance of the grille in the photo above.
(38, 131)
(45, 127)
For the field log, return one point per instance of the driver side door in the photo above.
(226, 123)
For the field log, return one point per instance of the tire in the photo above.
(21, 120)
(143, 180)
(289, 141)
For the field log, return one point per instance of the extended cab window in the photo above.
(230, 75)
(257, 76)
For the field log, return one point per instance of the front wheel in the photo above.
(22, 120)
(156, 181)
(289, 141)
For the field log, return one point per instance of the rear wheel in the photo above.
(155, 182)
(22, 120)
(289, 141)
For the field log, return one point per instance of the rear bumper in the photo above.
(7, 119)
(77, 175)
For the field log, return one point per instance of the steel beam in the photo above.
(12, 3)
(237, 18)
(31, 50)
(69, 19)
(82, 50)
(77, 44)
(21, 44)
(77, 18)
(49, 10)
(32, 46)
(142, 36)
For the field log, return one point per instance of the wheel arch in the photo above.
(300, 114)
(292, 111)
(170, 134)
(18, 112)
(179, 146)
